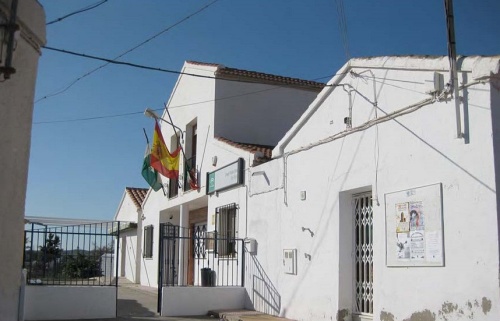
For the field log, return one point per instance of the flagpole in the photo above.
(150, 113)
(177, 136)
(186, 165)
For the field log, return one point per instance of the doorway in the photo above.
(363, 256)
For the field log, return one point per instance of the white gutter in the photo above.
(481, 67)
(279, 150)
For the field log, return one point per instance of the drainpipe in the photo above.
(452, 55)
(11, 28)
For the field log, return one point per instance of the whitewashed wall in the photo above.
(70, 302)
(185, 301)
(149, 266)
(414, 150)
(128, 263)
(259, 114)
(16, 111)
(127, 210)
(128, 255)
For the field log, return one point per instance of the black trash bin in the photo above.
(213, 278)
(206, 276)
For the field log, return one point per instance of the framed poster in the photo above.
(414, 227)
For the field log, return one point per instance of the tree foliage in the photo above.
(82, 266)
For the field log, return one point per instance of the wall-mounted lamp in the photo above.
(214, 161)
(151, 114)
(307, 229)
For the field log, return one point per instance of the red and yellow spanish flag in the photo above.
(165, 163)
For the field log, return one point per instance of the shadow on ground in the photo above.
(132, 308)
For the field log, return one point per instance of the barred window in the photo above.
(225, 230)
(148, 241)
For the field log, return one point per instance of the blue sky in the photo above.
(80, 169)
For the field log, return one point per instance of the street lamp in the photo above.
(151, 114)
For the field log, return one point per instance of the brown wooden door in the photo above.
(190, 274)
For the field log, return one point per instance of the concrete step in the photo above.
(243, 315)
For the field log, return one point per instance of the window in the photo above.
(190, 173)
(225, 230)
(148, 241)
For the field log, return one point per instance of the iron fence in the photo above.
(71, 255)
(195, 257)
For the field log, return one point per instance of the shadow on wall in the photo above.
(264, 295)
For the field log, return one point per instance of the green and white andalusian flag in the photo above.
(149, 173)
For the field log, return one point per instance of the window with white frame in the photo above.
(225, 230)
(148, 242)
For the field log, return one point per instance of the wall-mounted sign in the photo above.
(414, 227)
(225, 177)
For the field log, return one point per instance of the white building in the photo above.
(129, 214)
(385, 213)
(371, 207)
(17, 89)
(239, 116)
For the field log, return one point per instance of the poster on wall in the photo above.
(414, 227)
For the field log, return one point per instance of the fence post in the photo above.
(160, 266)
(243, 263)
(116, 268)
(117, 254)
(44, 251)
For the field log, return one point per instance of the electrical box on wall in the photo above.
(251, 246)
(290, 261)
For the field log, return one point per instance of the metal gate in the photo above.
(195, 257)
(363, 249)
(168, 257)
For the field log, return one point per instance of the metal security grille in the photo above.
(225, 229)
(363, 247)
(199, 237)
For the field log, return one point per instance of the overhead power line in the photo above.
(72, 83)
(170, 107)
(343, 27)
(217, 99)
(92, 6)
(130, 64)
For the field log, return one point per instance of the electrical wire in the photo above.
(343, 27)
(130, 64)
(92, 6)
(170, 107)
(72, 83)
(224, 98)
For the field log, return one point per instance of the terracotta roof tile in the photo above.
(137, 195)
(265, 150)
(260, 77)
(199, 63)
